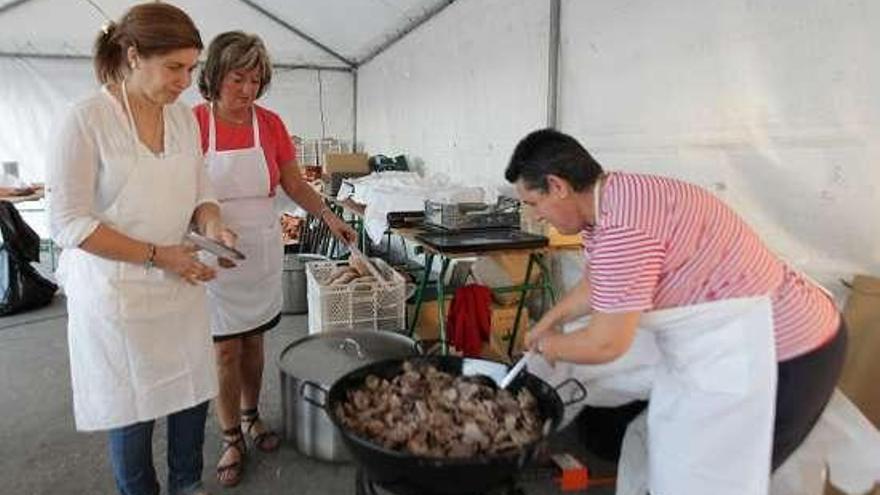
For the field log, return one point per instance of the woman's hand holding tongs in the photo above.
(217, 231)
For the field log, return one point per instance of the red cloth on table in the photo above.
(469, 322)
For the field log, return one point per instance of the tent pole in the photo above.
(354, 110)
(412, 27)
(297, 31)
(66, 56)
(310, 67)
(553, 65)
(11, 5)
(45, 56)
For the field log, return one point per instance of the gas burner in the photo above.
(365, 486)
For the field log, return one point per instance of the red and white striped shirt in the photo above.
(662, 243)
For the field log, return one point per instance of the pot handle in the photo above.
(314, 386)
(578, 397)
(421, 346)
(350, 343)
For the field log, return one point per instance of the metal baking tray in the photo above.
(504, 214)
(483, 240)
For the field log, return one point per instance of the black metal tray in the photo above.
(402, 219)
(483, 240)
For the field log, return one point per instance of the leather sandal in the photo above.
(230, 474)
(265, 441)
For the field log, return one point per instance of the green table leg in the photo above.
(420, 291)
(333, 246)
(519, 307)
(441, 305)
(546, 282)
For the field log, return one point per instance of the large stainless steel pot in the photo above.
(323, 358)
(293, 282)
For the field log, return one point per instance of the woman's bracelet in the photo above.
(151, 256)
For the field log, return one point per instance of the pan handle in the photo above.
(428, 347)
(577, 397)
(312, 385)
(419, 347)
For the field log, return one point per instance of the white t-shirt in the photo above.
(80, 184)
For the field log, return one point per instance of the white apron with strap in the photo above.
(140, 347)
(249, 295)
(709, 423)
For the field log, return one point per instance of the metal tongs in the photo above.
(362, 258)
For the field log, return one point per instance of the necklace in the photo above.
(150, 131)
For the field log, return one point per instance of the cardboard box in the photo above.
(504, 270)
(428, 328)
(346, 162)
(558, 240)
(502, 329)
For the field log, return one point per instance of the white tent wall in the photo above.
(34, 93)
(455, 94)
(772, 105)
(313, 104)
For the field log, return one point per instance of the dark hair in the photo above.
(231, 51)
(550, 152)
(152, 28)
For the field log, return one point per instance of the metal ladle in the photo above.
(514, 371)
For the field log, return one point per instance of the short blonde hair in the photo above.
(230, 51)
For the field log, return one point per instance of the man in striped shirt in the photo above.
(657, 243)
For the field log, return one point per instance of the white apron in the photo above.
(249, 295)
(711, 409)
(139, 342)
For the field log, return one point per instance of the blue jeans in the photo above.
(131, 454)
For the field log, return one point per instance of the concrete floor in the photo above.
(41, 453)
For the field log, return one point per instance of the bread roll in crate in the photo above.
(343, 296)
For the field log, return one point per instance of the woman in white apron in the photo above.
(249, 153)
(126, 180)
(668, 258)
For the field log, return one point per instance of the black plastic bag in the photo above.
(21, 286)
(382, 163)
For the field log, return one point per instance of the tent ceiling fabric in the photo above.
(350, 28)
(353, 28)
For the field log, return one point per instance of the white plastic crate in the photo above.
(355, 306)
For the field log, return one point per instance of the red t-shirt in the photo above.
(276, 142)
(662, 243)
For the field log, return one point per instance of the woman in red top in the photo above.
(750, 348)
(248, 153)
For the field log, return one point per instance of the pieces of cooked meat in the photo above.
(432, 413)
